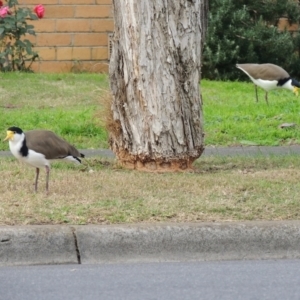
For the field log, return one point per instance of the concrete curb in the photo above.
(146, 242)
(28, 245)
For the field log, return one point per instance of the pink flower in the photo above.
(4, 11)
(39, 10)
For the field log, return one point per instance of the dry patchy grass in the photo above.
(228, 189)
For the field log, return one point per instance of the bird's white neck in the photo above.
(16, 144)
(288, 85)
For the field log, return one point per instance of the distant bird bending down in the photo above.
(37, 147)
(269, 77)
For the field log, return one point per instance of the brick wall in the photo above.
(284, 24)
(73, 35)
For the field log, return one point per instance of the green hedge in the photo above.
(242, 31)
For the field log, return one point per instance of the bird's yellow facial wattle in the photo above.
(295, 90)
(9, 135)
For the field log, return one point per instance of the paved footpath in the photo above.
(89, 244)
(209, 151)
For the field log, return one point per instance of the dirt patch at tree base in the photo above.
(147, 164)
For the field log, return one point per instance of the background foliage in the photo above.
(16, 51)
(245, 31)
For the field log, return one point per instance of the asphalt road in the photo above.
(258, 279)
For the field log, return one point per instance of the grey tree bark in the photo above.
(155, 72)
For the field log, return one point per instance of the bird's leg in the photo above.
(36, 179)
(47, 178)
(266, 97)
(256, 92)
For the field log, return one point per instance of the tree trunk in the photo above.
(154, 75)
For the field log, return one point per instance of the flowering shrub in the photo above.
(39, 10)
(17, 54)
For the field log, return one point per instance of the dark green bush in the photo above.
(245, 31)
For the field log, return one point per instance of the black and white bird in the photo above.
(37, 147)
(269, 77)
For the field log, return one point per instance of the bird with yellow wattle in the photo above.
(37, 147)
(269, 77)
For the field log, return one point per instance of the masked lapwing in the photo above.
(37, 147)
(269, 77)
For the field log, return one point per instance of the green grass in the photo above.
(68, 105)
(219, 189)
(233, 117)
(64, 103)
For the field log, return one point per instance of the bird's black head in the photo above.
(15, 129)
(295, 83)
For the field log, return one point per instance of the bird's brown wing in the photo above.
(264, 71)
(49, 144)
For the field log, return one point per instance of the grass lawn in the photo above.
(69, 104)
(64, 103)
(220, 189)
(233, 117)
